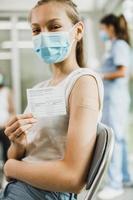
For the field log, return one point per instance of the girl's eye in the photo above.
(35, 31)
(54, 27)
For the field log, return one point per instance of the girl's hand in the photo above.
(17, 127)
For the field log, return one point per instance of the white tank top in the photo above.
(47, 139)
(4, 106)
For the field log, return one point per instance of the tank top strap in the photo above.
(75, 75)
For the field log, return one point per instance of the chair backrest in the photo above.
(100, 161)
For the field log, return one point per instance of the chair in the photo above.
(100, 161)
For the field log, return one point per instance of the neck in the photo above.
(61, 70)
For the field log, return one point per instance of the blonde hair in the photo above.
(72, 12)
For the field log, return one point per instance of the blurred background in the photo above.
(23, 69)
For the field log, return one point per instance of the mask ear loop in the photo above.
(74, 26)
(72, 42)
(72, 30)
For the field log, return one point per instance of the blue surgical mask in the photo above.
(53, 47)
(104, 36)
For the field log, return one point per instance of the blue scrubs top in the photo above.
(116, 97)
(118, 55)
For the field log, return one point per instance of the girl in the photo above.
(49, 157)
(115, 70)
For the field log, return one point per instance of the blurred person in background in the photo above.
(115, 74)
(6, 111)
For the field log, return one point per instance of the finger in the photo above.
(8, 132)
(18, 117)
(27, 121)
(13, 136)
(18, 124)
(21, 130)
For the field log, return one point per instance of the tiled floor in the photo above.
(128, 195)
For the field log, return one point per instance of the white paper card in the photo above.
(46, 102)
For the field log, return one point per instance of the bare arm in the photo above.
(121, 72)
(69, 174)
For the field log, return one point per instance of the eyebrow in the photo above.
(50, 21)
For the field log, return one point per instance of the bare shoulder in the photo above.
(85, 92)
(86, 84)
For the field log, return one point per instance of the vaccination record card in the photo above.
(46, 102)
